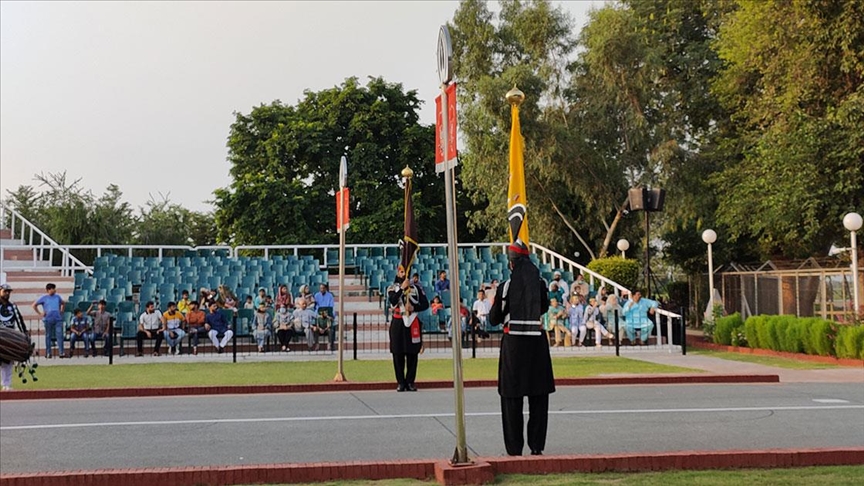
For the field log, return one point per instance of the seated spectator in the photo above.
(560, 283)
(285, 327)
(226, 298)
(101, 324)
(436, 305)
(415, 280)
(636, 312)
(580, 286)
(283, 297)
(305, 295)
(195, 320)
(591, 320)
(609, 309)
(205, 298)
(172, 327)
(268, 301)
(249, 304)
(304, 319)
(183, 304)
(216, 326)
(557, 321)
(80, 330)
(464, 314)
(442, 284)
(260, 298)
(324, 298)
(263, 325)
(481, 308)
(320, 327)
(477, 327)
(149, 327)
(575, 314)
(556, 293)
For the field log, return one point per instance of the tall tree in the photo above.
(285, 161)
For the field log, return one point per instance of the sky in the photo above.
(142, 95)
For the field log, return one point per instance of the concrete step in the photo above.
(18, 254)
(5, 233)
(18, 275)
(21, 264)
(10, 242)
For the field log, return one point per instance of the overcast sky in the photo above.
(142, 94)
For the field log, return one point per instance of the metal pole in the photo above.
(683, 334)
(355, 336)
(461, 454)
(110, 341)
(647, 256)
(340, 369)
(710, 281)
(234, 341)
(617, 336)
(855, 299)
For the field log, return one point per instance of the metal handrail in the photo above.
(69, 264)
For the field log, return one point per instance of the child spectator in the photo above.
(101, 323)
(249, 304)
(320, 327)
(183, 305)
(79, 330)
(260, 298)
(436, 305)
(263, 325)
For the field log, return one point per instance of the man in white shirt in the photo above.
(562, 284)
(149, 327)
(481, 308)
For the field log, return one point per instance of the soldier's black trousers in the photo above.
(405, 377)
(538, 419)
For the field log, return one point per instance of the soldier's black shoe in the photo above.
(400, 388)
(536, 453)
(411, 387)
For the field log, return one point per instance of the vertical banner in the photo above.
(409, 240)
(448, 160)
(342, 210)
(516, 200)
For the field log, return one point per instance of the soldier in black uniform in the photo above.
(406, 330)
(525, 367)
(11, 318)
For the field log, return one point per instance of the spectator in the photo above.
(249, 304)
(195, 324)
(52, 317)
(477, 327)
(263, 325)
(172, 327)
(556, 293)
(216, 326)
(268, 300)
(304, 320)
(580, 286)
(481, 308)
(283, 297)
(320, 327)
(205, 298)
(324, 298)
(259, 299)
(562, 284)
(591, 320)
(149, 327)
(575, 312)
(306, 295)
(101, 324)
(436, 305)
(636, 312)
(557, 321)
(79, 330)
(608, 309)
(183, 305)
(227, 299)
(442, 284)
(415, 280)
(285, 324)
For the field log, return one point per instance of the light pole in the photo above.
(709, 236)
(853, 222)
(623, 245)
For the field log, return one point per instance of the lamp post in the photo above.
(623, 245)
(853, 222)
(709, 236)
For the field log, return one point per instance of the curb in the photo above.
(426, 469)
(371, 386)
(699, 344)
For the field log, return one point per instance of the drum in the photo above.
(14, 345)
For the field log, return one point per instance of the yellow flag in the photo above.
(516, 200)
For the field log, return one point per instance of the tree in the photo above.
(285, 166)
(793, 81)
(165, 223)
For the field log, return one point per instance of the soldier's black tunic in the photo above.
(402, 344)
(524, 366)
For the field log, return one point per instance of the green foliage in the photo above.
(810, 335)
(727, 328)
(285, 168)
(850, 342)
(623, 271)
(166, 223)
(751, 327)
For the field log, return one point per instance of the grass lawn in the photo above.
(834, 475)
(788, 363)
(289, 372)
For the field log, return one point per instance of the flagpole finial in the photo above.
(407, 172)
(515, 96)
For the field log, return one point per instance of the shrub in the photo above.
(850, 342)
(790, 334)
(726, 327)
(621, 270)
(750, 330)
(820, 337)
(767, 334)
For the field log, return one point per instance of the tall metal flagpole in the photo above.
(460, 456)
(343, 175)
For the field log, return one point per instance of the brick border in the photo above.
(24, 394)
(697, 342)
(426, 469)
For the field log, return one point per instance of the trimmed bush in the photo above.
(850, 342)
(624, 271)
(750, 330)
(810, 335)
(726, 328)
(821, 336)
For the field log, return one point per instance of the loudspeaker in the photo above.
(655, 199)
(638, 198)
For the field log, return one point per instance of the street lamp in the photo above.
(623, 246)
(853, 222)
(709, 236)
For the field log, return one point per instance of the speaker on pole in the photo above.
(638, 198)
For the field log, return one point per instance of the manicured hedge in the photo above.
(810, 335)
(726, 328)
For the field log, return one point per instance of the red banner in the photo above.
(442, 161)
(342, 205)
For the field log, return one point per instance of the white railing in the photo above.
(558, 261)
(42, 245)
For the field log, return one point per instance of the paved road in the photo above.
(51, 435)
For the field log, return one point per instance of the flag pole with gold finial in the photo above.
(516, 198)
